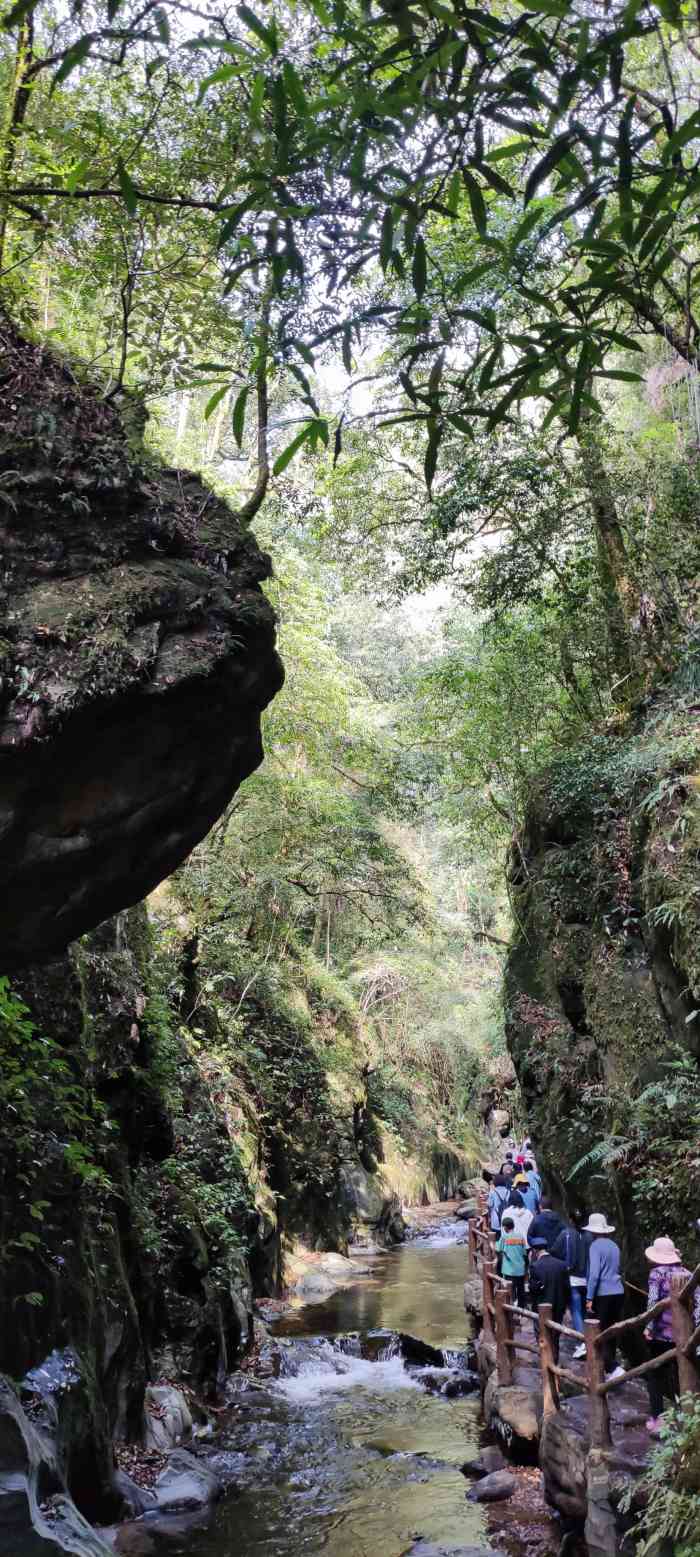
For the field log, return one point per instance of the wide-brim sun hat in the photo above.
(598, 1223)
(521, 1178)
(663, 1251)
(538, 1243)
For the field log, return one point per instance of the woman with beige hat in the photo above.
(666, 1261)
(605, 1292)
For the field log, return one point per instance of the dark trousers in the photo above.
(518, 1290)
(608, 1310)
(663, 1382)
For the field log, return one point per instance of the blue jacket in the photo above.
(604, 1279)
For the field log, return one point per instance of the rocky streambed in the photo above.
(351, 1434)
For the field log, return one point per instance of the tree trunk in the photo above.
(620, 590)
(17, 105)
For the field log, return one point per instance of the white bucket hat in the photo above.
(597, 1224)
(663, 1251)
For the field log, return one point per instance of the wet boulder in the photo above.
(490, 1459)
(136, 655)
(186, 1483)
(494, 1488)
(167, 1417)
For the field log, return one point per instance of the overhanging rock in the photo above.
(136, 656)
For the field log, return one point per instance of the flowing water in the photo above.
(346, 1456)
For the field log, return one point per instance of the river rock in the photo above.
(432, 1549)
(137, 655)
(490, 1459)
(166, 1416)
(135, 1499)
(514, 1413)
(474, 1296)
(419, 1353)
(494, 1488)
(186, 1483)
(467, 1382)
(563, 1452)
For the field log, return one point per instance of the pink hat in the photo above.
(663, 1251)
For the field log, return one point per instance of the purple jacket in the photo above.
(660, 1287)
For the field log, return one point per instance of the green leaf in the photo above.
(72, 58)
(217, 77)
(295, 90)
(214, 400)
(129, 191)
(435, 433)
(419, 269)
(228, 227)
(266, 35)
(346, 347)
(454, 190)
(559, 148)
(622, 374)
(476, 201)
(257, 96)
(687, 132)
(386, 240)
(238, 414)
(511, 149)
(292, 448)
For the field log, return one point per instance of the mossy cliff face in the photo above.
(603, 981)
(136, 655)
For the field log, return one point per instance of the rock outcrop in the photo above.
(603, 981)
(136, 655)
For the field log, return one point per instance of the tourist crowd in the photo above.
(575, 1266)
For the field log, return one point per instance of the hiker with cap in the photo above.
(530, 1195)
(549, 1283)
(512, 1250)
(666, 1262)
(605, 1292)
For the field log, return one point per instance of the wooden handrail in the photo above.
(636, 1373)
(636, 1322)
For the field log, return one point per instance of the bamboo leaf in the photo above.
(558, 149)
(73, 57)
(266, 35)
(419, 269)
(292, 448)
(476, 201)
(128, 190)
(214, 400)
(238, 414)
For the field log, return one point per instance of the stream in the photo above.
(349, 1452)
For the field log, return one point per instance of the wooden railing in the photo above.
(501, 1314)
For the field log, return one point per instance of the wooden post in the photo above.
(682, 1322)
(550, 1388)
(471, 1246)
(599, 1409)
(504, 1353)
(489, 1271)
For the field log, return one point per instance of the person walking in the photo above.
(666, 1262)
(533, 1177)
(522, 1217)
(572, 1246)
(545, 1224)
(549, 1283)
(496, 1203)
(605, 1293)
(512, 1248)
(530, 1195)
